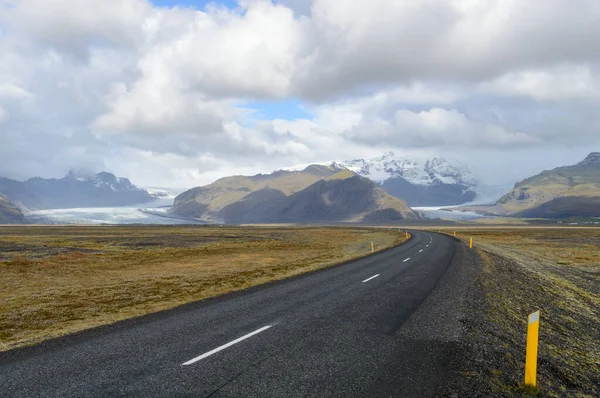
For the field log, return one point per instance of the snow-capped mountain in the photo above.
(419, 172)
(102, 180)
(76, 189)
(421, 182)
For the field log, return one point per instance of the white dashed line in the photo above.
(406, 260)
(420, 250)
(191, 361)
(373, 277)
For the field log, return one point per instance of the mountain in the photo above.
(561, 192)
(427, 182)
(353, 199)
(206, 202)
(75, 190)
(336, 195)
(9, 213)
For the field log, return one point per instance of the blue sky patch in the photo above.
(290, 109)
(199, 4)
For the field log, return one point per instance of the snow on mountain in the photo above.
(416, 171)
(420, 181)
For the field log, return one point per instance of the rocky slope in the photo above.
(284, 197)
(569, 191)
(354, 199)
(206, 202)
(9, 213)
(424, 182)
(561, 192)
(74, 190)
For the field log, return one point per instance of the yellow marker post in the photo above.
(372, 248)
(533, 329)
(406, 234)
(454, 233)
(470, 243)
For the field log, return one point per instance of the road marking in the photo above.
(420, 250)
(191, 361)
(373, 277)
(406, 260)
(427, 246)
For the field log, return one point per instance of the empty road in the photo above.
(346, 331)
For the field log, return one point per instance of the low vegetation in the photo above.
(556, 271)
(56, 280)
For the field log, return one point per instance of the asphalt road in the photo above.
(346, 331)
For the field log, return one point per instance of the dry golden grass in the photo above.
(58, 280)
(556, 271)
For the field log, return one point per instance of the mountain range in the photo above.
(316, 193)
(568, 191)
(377, 189)
(420, 182)
(74, 190)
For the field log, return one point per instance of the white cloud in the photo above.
(12, 91)
(561, 83)
(435, 127)
(74, 26)
(399, 41)
(87, 83)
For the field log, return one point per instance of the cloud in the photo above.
(375, 42)
(560, 83)
(72, 27)
(88, 84)
(435, 127)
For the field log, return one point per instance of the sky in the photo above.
(179, 93)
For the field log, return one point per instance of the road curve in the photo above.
(335, 332)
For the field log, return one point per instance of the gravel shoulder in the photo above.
(509, 281)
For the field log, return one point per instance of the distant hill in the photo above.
(74, 190)
(206, 202)
(563, 189)
(9, 213)
(568, 191)
(335, 196)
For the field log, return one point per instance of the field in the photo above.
(556, 271)
(57, 280)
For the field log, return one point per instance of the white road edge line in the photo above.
(191, 361)
(406, 260)
(373, 277)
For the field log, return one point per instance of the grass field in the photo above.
(56, 280)
(556, 271)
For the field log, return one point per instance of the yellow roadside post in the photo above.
(372, 248)
(470, 243)
(406, 234)
(454, 233)
(533, 328)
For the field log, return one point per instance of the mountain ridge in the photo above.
(562, 192)
(334, 195)
(352, 199)
(74, 190)
(205, 202)
(420, 182)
